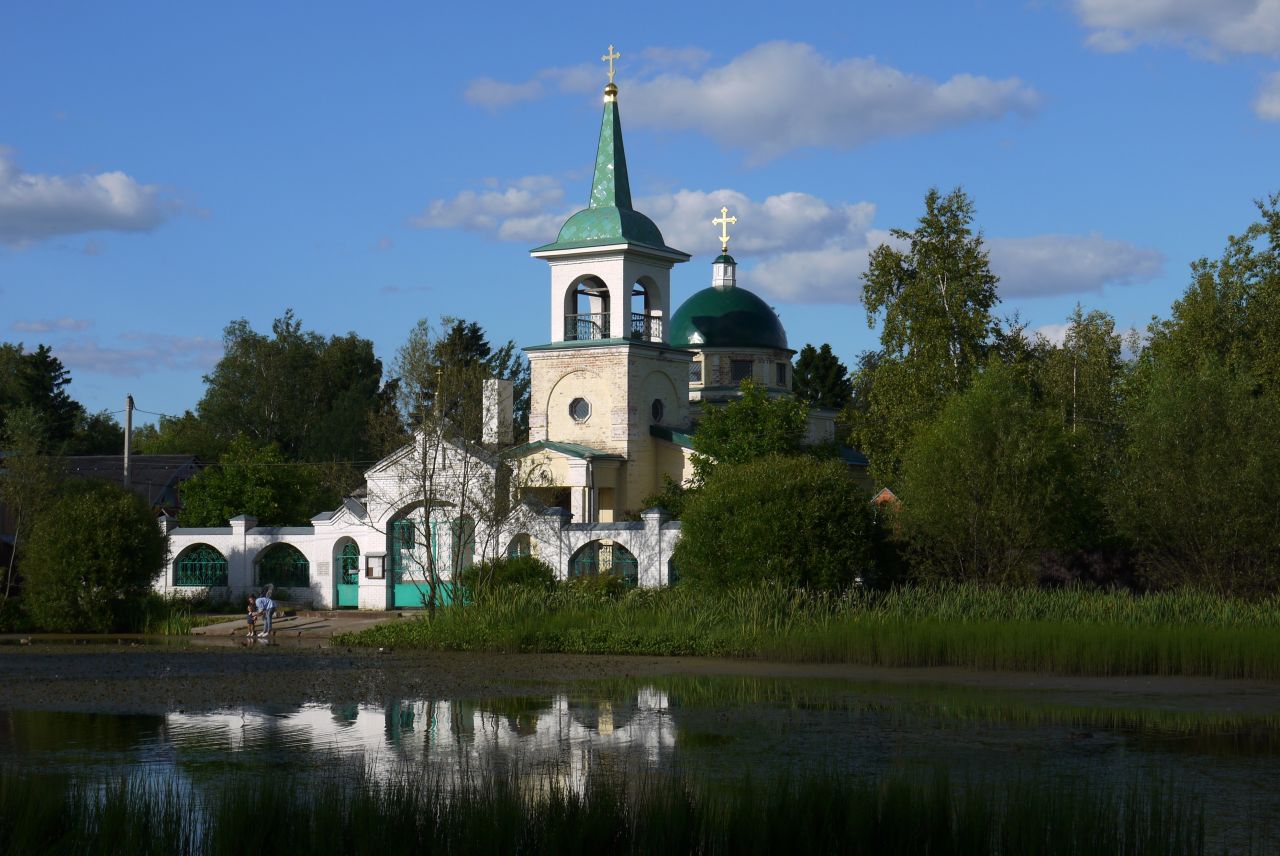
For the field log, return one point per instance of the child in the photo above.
(252, 618)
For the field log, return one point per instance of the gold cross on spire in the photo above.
(609, 58)
(723, 222)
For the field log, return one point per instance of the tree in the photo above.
(746, 428)
(310, 396)
(96, 434)
(989, 485)
(450, 494)
(254, 480)
(92, 555)
(1198, 494)
(28, 478)
(37, 379)
(1231, 310)
(460, 349)
(179, 435)
(786, 518)
(820, 379)
(933, 300)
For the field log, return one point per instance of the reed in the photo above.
(1066, 631)
(899, 813)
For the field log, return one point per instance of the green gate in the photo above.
(348, 577)
(597, 558)
(409, 571)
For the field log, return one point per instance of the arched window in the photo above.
(597, 557)
(587, 311)
(284, 565)
(349, 564)
(646, 319)
(673, 571)
(200, 565)
(520, 545)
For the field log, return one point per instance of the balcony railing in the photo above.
(579, 328)
(646, 327)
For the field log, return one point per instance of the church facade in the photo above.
(613, 395)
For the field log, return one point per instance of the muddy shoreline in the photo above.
(111, 679)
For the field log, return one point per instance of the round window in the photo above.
(580, 410)
(657, 410)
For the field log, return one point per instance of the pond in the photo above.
(719, 728)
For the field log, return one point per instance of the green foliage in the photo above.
(989, 485)
(37, 381)
(792, 519)
(28, 480)
(310, 396)
(1074, 631)
(96, 434)
(258, 481)
(934, 301)
(747, 428)
(443, 371)
(494, 574)
(93, 554)
(181, 435)
(1198, 494)
(820, 379)
(672, 498)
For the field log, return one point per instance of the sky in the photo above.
(167, 168)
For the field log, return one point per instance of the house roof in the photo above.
(671, 435)
(573, 450)
(153, 477)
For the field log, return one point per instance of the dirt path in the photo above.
(154, 680)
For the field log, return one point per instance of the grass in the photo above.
(41, 812)
(1065, 631)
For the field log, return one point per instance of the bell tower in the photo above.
(609, 373)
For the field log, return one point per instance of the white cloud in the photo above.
(44, 325)
(1267, 103)
(1055, 333)
(34, 207)
(781, 96)
(795, 246)
(486, 210)
(1068, 264)
(141, 353)
(1209, 27)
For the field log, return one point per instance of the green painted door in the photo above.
(348, 582)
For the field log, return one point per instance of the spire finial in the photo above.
(609, 58)
(723, 222)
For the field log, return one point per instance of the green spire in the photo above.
(609, 217)
(611, 187)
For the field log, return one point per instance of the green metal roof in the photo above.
(726, 318)
(679, 438)
(573, 450)
(609, 218)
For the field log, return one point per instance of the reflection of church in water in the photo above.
(557, 739)
(614, 395)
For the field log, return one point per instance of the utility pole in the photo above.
(128, 434)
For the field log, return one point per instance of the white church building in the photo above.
(613, 394)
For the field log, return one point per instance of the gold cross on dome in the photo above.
(723, 222)
(609, 58)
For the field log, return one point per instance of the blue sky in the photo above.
(165, 169)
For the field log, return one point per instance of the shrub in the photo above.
(525, 571)
(793, 519)
(92, 555)
(989, 486)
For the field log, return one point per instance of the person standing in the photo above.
(265, 607)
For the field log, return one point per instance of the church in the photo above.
(614, 393)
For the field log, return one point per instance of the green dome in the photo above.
(608, 225)
(726, 318)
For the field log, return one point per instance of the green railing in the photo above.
(283, 565)
(349, 565)
(596, 558)
(201, 566)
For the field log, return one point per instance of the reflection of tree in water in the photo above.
(27, 731)
(521, 713)
(345, 714)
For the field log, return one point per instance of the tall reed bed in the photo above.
(1069, 631)
(820, 814)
